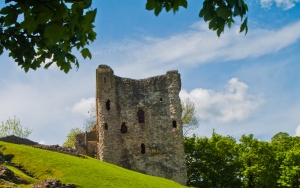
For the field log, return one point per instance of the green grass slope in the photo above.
(81, 172)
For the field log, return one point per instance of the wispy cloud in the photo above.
(284, 4)
(297, 131)
(83, 106)
(234, 104)
(196, 46)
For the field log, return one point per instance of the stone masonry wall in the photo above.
(139, 123)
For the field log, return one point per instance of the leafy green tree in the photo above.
(290, 169)
(218, 13)
(13, 126)
(70, 142)
(258, 160)
(188, 116)
(43, 32)
(212, 162)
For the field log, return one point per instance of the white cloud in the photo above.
(151, 56)
(298, 131)
(235, 104)
(83, 106)
(284, 4)
(42, 142)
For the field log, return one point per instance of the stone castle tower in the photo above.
(139, 123)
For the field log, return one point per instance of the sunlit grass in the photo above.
(79, 171)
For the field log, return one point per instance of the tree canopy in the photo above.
(220, 161)
(39, 33)
(13, 126)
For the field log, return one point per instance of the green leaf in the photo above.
(244, 26)
(50, 30)
(212, 24)
(150, 5)
(184, 3)
(223, 12)
(157, 10)
(202, 12)
(90, 16)
(86, 53)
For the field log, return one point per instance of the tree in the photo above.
(13, 126)
(258, 161)
(88, 125)
(219, 13)
(70, 142)
(43, 32)
(90, 122)
(188, 116)
(212, 162)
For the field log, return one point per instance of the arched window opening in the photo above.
(107, 105)
(174, 124)
(143, 150)
(123, 128)
(104, 79)
(160, 100)
(105, 126)
(141, 116)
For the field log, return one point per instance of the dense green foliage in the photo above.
(43, 32)
(13, 126)
(220, 161)
(82, 172)
(218, 13)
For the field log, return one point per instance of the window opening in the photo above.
(141, 116)
(160, 100)
(174, 124)
(104, 79)
(143, 150)
(105, 126)
(123, 128)
(108, 105)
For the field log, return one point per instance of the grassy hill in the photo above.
(82, 172)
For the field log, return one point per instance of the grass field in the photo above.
(82, 172)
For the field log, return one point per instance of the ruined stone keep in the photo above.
(139, 124)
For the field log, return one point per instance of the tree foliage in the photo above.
(212, 161)
(13, 126)
(188, 116)
(218, 13)
(43, 32)
(70, 142)
(222, 162)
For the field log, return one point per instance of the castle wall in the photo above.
(142, 130)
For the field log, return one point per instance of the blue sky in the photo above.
(239, 84)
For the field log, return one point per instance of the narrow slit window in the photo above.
(174, 123)
(143, 150)
(105, 126)
(107, 105)
(123, 128)
(141, 116)
(104, 79)
(160, 100)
